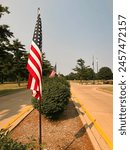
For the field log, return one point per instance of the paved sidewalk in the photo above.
(13, 106)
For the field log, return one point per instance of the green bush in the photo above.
(7, 143)
(56, 94)
(105, 73)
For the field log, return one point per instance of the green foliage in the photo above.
(82, 72)
(90, 75)
(19, 59)
(46, 67)
(7, 143)
(5, 35)
(56, 94)
(80, 69)
(3, 10)
(12, 56)
(105, 73)
(71, 76)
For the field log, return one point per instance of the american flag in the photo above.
(53, 72)
(34, 65)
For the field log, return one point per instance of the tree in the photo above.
(71, 76)
(46, 66)
(90, 74)
(19, 59)
(83, 72)
(3, 10)
(24, 72)
(5, 56)
(105, 73)
(80, 69)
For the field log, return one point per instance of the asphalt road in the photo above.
(11, 105)
(98, 103)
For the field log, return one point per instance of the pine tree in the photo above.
(19, 61)
(5, 56)
(46, 66)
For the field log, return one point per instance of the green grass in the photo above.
(107, 89)
(10, 88)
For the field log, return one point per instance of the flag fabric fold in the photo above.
(34, 65)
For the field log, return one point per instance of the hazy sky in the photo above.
(72, 29)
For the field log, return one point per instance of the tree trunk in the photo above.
(18, 81)
(2, 79)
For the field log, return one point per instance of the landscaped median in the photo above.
(61, 124)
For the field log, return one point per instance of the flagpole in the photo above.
(35, 74)
(40, 127)
(40, 122)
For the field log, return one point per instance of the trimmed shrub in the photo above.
(56, 94)
(7, 143)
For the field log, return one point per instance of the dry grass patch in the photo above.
(12, 86)
(9, 88)
(108, 89)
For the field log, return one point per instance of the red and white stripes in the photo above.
(34, 67)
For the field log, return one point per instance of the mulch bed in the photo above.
(67, 133)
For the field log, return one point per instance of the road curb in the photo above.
(18, 118)
(97, 136)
